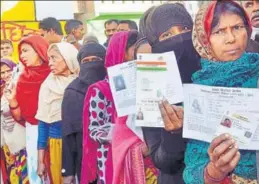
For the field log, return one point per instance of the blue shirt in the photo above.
(46, 131)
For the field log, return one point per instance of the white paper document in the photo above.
(211, 111)
(122, 79)
(158, 77)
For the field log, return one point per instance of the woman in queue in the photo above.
(64, 69)
(221, 41)
(127, 145)
(13, 152)
(23, 97)
(169, 28)
(100, 114)
(91, 58)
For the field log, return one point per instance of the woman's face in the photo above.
(29, 56)
(6, 73)
(229, 38)
(57, 63)
(173, 31)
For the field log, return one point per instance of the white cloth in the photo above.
(254, 32)
(12, 133)
(53, 88)
(32, 153)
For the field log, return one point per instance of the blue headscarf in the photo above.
(244, 72)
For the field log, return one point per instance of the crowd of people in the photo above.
(58, 118)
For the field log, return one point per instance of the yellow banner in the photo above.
(18, 11)
(14, 31)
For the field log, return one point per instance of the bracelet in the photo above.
(13, 108)
(212, 178)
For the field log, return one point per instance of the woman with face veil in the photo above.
(91, 58)
(169, 28)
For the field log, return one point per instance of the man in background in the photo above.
(252, 9)
(110, 28)
(127, 25)
(51, 30)
(75, 32)
(6, 49)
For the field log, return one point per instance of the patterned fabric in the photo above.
(89, 159)
(243, 72)
(151, 172)
(238, 180)
(137, 170)
(100, 124)
(16, 166)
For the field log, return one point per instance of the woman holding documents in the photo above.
(220, 36)
(64, 69)
(100, 114)
(13, 152)
(23, 98)
(169, 28)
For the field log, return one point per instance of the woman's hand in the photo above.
(69, 180)
(41, 171)
(172, 116)
(145, 150)
(10, 93)
(224, 156)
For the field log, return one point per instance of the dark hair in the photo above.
(6, 41)
(110, 21)
(132, 24)
(50, 23)
(232, 8)
(140, 42)
(132, 39)
(72, 24)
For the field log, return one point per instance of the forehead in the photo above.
(229, 19)
(26, 46)
(79, 27)
(111, 25)
(54, 52)
(248, 1)
(5, 45)
(43, 32)
(4, 67)
(123, 25)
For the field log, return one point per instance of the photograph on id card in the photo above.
(240, 127)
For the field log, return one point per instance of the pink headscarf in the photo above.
(114, 55)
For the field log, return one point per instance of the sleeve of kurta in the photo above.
(99, 126)
(196, 159)
(166, 149)
(43, 135)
